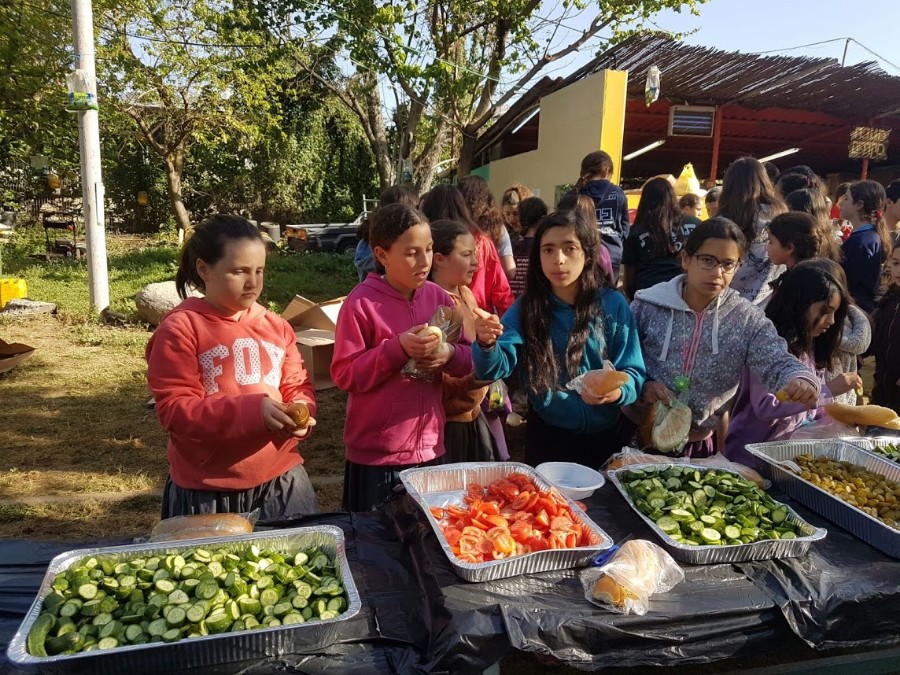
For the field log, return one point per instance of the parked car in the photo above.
(324, 237)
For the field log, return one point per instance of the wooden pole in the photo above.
(717, 137)
(865, 170)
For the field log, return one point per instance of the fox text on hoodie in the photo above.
(209, 374)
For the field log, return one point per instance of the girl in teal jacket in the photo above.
(567, 323)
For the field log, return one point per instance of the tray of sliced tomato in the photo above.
(501, 519)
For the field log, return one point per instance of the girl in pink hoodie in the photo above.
(394, 421)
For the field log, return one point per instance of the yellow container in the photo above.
(12, 288)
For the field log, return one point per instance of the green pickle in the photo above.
(104, 602)
(707, 507)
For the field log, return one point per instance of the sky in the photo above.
(776, 25)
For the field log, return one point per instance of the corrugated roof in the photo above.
(706, 76)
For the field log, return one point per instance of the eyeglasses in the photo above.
(710, 262)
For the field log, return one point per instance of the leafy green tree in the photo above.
(453, 64)
(35, 55)
(189, 72)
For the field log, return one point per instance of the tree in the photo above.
(455, 63)
(34, 59)
(188, 72)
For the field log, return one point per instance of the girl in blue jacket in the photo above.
(567, 322)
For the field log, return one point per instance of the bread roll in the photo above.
(634, 573)
(432, 330)
(601, 382)
(299, 412)
(200, 525)
(862, 415)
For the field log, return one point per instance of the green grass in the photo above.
(134, 262)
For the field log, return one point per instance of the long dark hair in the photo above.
(541, 367)
(873, 198)
(746, 192)
(207, 243)
(446, 202)
(594, 164)
(812, 201)
(795, 292)
(800, 230)
(477, 193)
(657, 215)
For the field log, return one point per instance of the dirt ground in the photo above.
(74, 422)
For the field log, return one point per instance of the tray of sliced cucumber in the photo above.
(705, 515)
(158, 607)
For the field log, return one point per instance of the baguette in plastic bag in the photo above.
(204, 525)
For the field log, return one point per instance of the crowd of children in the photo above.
(753, 319)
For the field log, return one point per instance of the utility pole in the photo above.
(91, 179)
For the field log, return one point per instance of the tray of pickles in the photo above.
(705, 515)
(855, 488)
(163, 606)
(886, 447)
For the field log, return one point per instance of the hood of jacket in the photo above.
(669, 296)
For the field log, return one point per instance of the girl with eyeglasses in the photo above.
(808, 310)
(697, 335)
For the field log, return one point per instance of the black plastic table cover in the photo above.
(418, 616)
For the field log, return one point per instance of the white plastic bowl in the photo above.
(575, 481)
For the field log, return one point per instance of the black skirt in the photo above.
(366, 487)
(547, 443)
(288, 495)
(470, 442)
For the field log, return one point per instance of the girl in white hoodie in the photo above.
(697, 334)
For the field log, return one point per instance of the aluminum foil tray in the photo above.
(199, 652)
(854, 520)
(727, 553)
(869, 443)
(445, 485)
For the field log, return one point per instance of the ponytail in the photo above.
(207, 243)
(597, 163)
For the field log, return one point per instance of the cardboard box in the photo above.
(12, 354)
(314, 324)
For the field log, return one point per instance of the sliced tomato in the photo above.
(487, 546)
(452, 535)
(510, 491)
(542, 520)
(437, 512)
(481, 523)
(533, 501)
(521, 501)
(491, 508)
(457, 511)
(520, 531)
(548, 505)
(561, 523)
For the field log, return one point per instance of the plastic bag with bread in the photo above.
(599, 382)
(446, 324)
(635, 572)
(203, 525)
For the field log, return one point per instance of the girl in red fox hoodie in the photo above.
(394, 421)
(223, 370)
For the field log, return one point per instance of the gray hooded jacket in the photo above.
(855, 341)
(733, 333)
